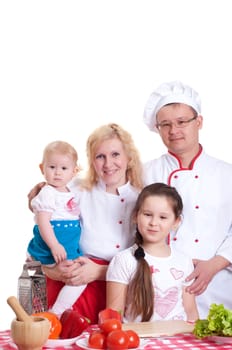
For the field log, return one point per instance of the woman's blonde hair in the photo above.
(107, 132)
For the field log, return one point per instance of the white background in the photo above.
(67, 67)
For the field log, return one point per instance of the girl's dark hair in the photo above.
(140, 288)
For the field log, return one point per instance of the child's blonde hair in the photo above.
(61, 147)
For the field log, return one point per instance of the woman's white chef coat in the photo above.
(206, 229)
(106, 220)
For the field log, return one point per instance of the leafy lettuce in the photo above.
(218, 322)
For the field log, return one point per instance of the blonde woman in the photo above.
(107, 197)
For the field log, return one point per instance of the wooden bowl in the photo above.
(30, 335)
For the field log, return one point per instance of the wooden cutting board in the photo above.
(159, 328)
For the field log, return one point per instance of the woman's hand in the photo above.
(61, 271)
(33, 192)
(76, 272)
(85, 271)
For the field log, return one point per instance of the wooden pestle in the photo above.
(19, 311)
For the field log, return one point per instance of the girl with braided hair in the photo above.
(147, 281)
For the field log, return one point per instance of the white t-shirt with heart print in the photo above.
(168, 276)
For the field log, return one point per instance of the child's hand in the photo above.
(59, 253)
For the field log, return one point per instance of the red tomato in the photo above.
(117, 340)
(112, 324)
(134, 339)
(108, 313)
(97, 340)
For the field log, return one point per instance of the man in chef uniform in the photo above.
(173, 111)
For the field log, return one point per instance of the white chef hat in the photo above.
(171, 92)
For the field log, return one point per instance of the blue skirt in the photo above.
(67, 233)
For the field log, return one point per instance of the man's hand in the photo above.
(204, 272)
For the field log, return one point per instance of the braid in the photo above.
(141, 288)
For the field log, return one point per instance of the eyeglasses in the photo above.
(179, 123)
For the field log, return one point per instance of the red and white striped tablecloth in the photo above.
(177, 342)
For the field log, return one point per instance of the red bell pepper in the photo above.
(73, 324)
(108, 313)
